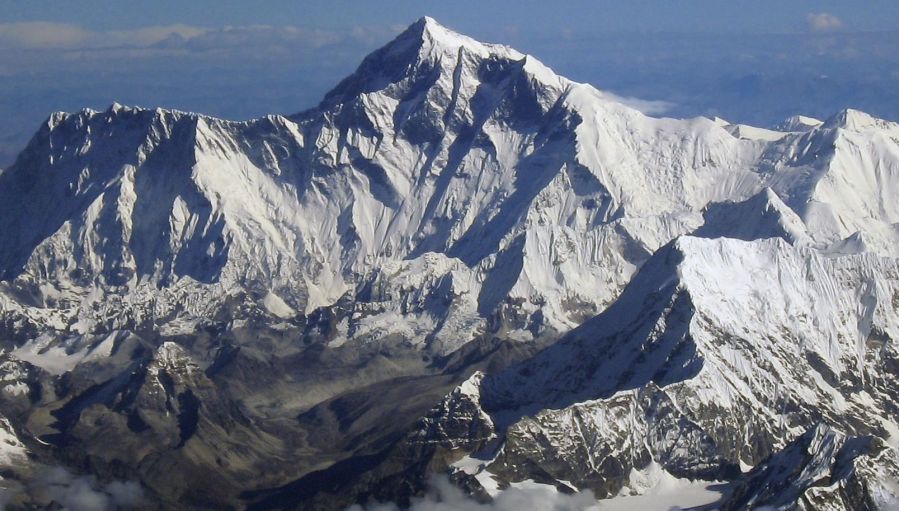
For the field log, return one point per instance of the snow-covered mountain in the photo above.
(822, 469)
(547, 192)
(717, 354)
(248, 297)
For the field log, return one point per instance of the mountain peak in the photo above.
(852, 119)
(427, 24)
(436, 37)
(798, 123)
(764, 215)
(422, 52)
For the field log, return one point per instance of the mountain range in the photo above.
(458, 264)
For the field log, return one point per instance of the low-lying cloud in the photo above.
(40, 35)
(443, 496)
(44, 35)
(823, 22)
(56, 486)
(646, 106)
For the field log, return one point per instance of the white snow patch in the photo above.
(12, 450)
(277, 306)
(16, 389)
(893, 433)
(50, 357)
(655, 489)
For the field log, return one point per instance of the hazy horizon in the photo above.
(754, 63)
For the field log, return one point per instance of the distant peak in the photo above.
(428, 23)
(764, 215)
(117, 108)
(435, 36)
(798, 123)
(852, 119)
(424, 46)
(171, 355)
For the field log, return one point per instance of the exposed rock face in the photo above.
(285, 305)
(822, 469)
(717, 355)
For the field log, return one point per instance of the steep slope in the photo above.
(823, 470)
(841, 178)
(715, 362)
(761, 216)
(717, 355)
(798, 123)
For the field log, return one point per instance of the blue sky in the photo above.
(754, 62)
(473, 15)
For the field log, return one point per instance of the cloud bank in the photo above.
(56, 486)
(44, 35)
(646, 106)
(823, 22)
(443, 496)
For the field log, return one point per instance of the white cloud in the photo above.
(263, 35)
(42, 35)
(444, 496)
(646, 106)
(76, 493)
(148, 36)
(823, 22)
